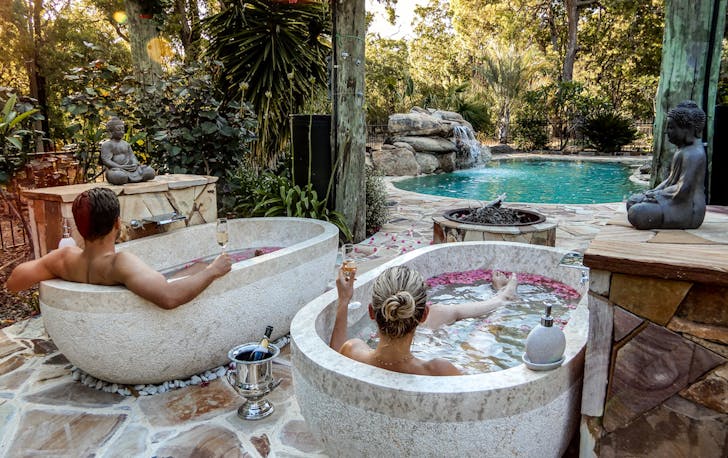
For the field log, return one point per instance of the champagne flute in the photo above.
(222, 233)
(348, 264)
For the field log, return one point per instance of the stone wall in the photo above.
(428, 141)
(656, 368)
(192, 196)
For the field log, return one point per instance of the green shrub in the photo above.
(376, 198)
(15, 141)
(271, 194)
(180, 123)
(477, 113)
(531, 133)
(608, 131)
(189, 126)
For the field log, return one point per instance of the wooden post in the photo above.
(690, 69)
(348, 132)
(144, 41)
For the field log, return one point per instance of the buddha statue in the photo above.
(679, 201)
(117, 156)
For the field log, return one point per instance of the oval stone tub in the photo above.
(352, 406)
(114, 335)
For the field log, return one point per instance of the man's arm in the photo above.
(29, 273)
(146, 282)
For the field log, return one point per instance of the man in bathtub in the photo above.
(96, 213)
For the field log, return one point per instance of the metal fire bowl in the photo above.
(525, 217)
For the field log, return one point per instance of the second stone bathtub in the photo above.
(361, 409)
(114, 335)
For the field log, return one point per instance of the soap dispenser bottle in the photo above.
(67, 240)
(545, 343)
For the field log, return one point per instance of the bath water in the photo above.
(236, 256)
(491, 342)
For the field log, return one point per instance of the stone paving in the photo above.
(43, 412)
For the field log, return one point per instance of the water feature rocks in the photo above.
(439, 136)
(428, 144)
(395, 161)
(415, 124)
(428, 162)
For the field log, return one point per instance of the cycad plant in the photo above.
(274, 56)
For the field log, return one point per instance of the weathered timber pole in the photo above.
(690, 69)
(348, 122)
(144, 40)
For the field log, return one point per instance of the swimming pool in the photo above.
(535, 181)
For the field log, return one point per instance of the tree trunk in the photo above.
(146, 51)
(572, 17)
(35, 75)
(348, 133)
(690, 69)
(505, 120)
(190, 28)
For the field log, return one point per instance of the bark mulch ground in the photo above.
(15, 306)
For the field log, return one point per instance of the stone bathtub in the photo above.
(513, 412)
(114, 335)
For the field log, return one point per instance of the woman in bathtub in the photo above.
(399, 305)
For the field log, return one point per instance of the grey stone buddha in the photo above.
(117, 156)
(679, 201)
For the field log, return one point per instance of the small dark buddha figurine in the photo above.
(679, 201)
(116, 154)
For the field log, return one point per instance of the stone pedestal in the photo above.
(192, 196)
(656, 367)
(445, 230)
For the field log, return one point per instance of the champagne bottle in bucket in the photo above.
(261, 351)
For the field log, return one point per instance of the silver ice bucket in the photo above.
(253, 380)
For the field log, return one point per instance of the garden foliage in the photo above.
(608, 131)
(274, 194)
(16, 136)
(180, 123)
(273, 55)
(376, 198)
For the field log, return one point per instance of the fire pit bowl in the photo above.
(494, 224)
(515, 216)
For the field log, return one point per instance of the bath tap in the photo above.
(166, 218)
(159, 220)
(575, 260)
(136, 224)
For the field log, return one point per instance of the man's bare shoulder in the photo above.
(61, 257)
(126, 262)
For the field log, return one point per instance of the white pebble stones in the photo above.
(150, 389)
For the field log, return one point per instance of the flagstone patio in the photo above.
(43, 412)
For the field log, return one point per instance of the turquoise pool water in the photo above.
(536, 181)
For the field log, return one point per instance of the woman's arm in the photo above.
(441, 315)
(345, 288)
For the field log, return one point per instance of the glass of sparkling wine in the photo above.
(222, 233)
(348, 265)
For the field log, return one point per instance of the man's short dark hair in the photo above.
(95, 212)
